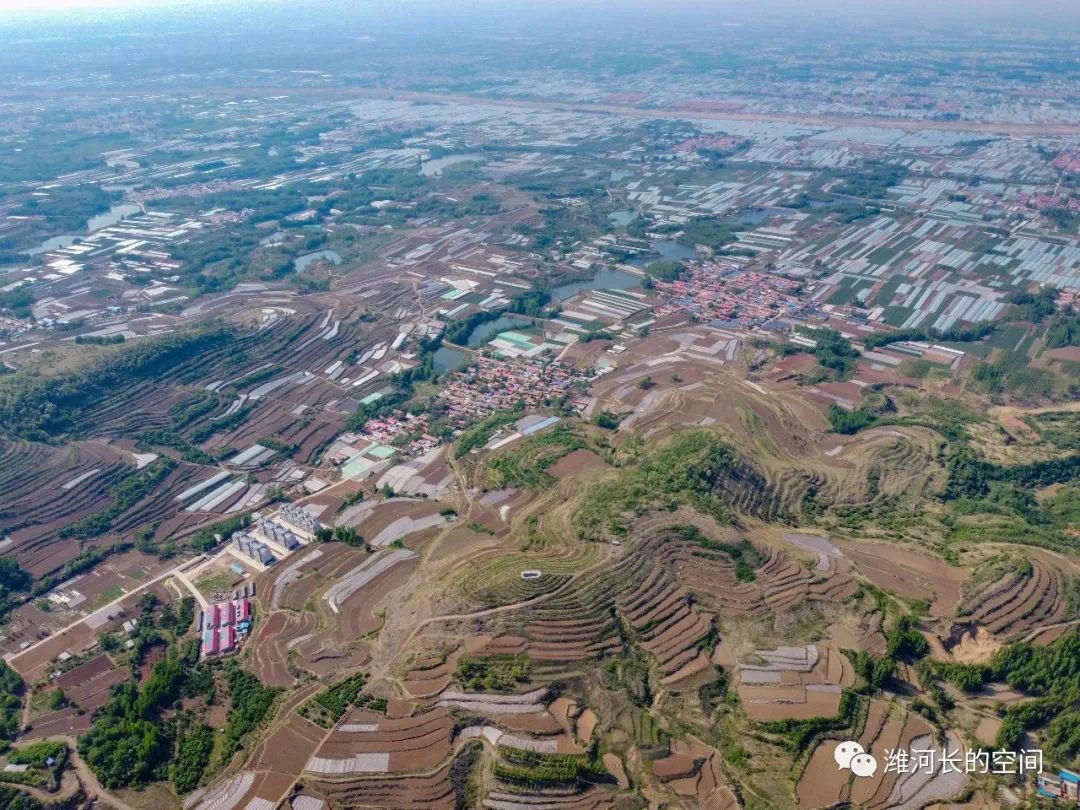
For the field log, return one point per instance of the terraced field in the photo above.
(1027, 596)
(433, 790)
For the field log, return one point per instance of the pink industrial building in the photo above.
(221, 624)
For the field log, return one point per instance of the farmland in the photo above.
(715, 597)
(590, 427)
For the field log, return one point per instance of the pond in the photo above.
(484, 332)
(55, 243)
(755, 216)
(112, 216)
(446, 359)
(622, 218)
(302, 263)
(434, 167)
(604, 280)
(666, 250)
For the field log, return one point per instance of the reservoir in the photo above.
(604, 280)
(434, 167)
(446, 359)
(95, 223)
(666, 250)
(112, 216)
(484, 332)
(302, 263)
(755, 216)
(55, 243)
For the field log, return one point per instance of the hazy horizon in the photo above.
(973, 11)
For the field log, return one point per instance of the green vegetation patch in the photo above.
(11, 692)
(480, 434)
(331, 704)
(693, 469)
(535, 771)
(834, 352)
(1050, 674)
(1012, 374)
(1060, 428)
(44, 408)
(251, 703)
(124, 496)
(527, 463)
(496, 674)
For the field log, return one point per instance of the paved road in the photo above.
(104, 610)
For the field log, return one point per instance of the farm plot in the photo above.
(360, 612)
(735, 576)
(371, 743)
(1028, 595)
(428, 677)
(395, 519)
(363, 574)
(46, 487)
(576, 463)
(794, 683)
(273, 641)
(428, 475)
(34, 662)
(668, 625)
(346, 611)
(694, 771)
(508, 798)
(87, 687)
(886, 727)
(494, 578)
(247, 789)
(292, 585)
(433, 791)
(288, 747)
(908, 573)
(575, 624)
(525, 777)
(494, 704)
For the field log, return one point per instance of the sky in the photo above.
(975, 6)
(913, 10)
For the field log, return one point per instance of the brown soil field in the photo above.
(269, 648)
(457, 542)
(541, 724)
(33, 663)
(432, 791)
(313, 575)
(1024, 600)
(908, 573)
(61, 722)
(419, 742)
(428, 677)
(576, 463)
(339, 642)
(287, 749)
